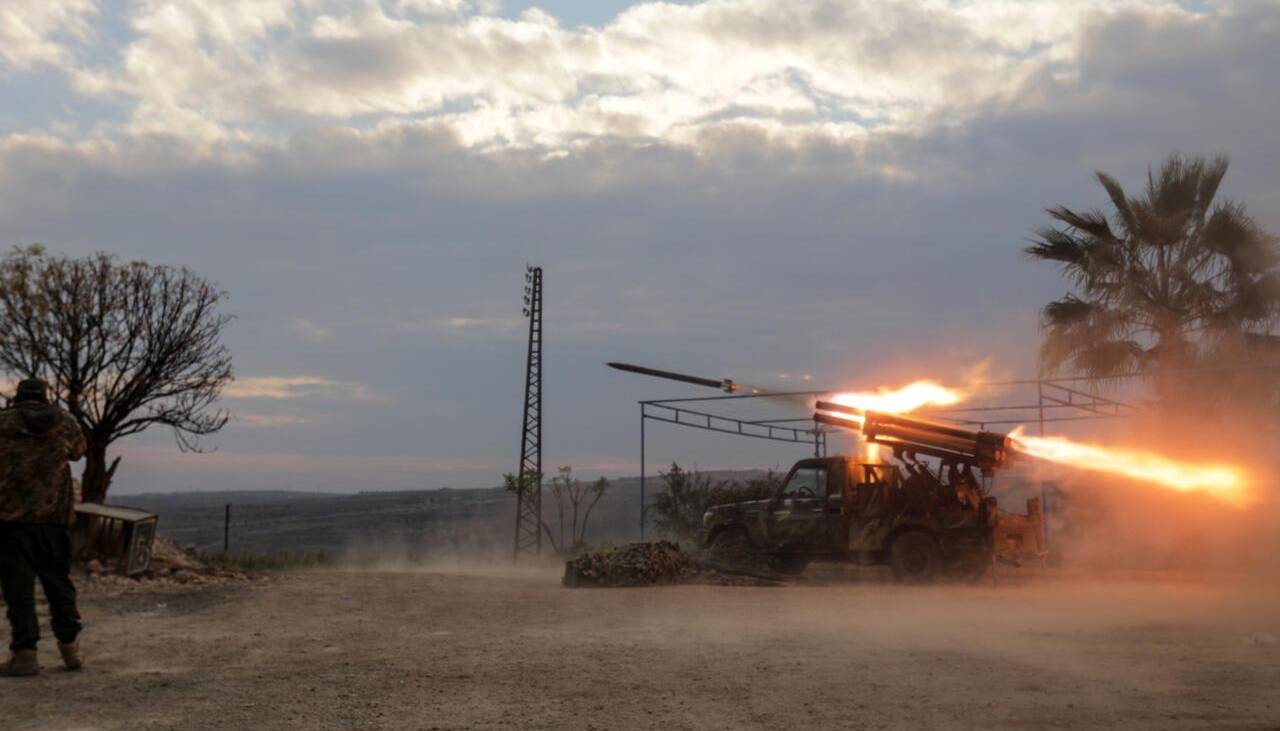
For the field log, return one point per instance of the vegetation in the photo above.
(124, 346)
(1168, 281)
(247, 561)
(686, 495)
(679, 507)
(512, 483)
(574, 500)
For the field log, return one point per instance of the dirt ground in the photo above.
(375, 650)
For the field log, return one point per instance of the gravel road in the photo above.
(387, 650)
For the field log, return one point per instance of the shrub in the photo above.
(678, 509)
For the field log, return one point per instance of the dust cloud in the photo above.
(1103, 524)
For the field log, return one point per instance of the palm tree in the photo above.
(1169, 281)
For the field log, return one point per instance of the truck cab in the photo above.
(923, 523)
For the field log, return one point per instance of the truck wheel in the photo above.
(732, 546)
(914, 558)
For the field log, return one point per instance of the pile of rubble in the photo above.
(650, 564)
(171, 566)
(637, 564)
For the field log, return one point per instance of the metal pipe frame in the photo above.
(769, 429)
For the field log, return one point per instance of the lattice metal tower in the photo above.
(529, 477)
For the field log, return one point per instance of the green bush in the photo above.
(288, 560)
(687, 495)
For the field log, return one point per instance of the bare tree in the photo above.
(574, 501)
(124, 346)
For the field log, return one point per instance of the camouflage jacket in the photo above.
(36, 442)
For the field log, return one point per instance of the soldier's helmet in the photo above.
(32, 389)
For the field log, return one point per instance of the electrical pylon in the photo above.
(529, 477)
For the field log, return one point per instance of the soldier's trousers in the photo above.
(29, 551)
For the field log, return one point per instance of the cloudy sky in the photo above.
(771, 191)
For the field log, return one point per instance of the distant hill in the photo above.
(190, 499)
(411, 524)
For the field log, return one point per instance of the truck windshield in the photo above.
(806, 482)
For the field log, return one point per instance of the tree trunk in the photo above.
(573, 531)
(1172, 379)
(96, 478)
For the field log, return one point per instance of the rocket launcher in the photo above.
(909, 436)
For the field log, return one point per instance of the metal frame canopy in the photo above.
(1056, 400)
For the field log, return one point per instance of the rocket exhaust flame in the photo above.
(899, 401)
(1223, 481)
(889, 401)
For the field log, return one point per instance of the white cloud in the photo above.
(462, 324)
(34, 32)
(297, 387)
(450, 9)
(311, 331)
(270, 421)
(220, 73)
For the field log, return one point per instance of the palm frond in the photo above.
(1093, 223)
(1230, 232)
(1069, 310)
(1109, 358)
(1210, 179)
(1057, 245)
(1174, 191)
(1118, 198)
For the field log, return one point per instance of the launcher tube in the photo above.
(918, 423)
(838, 408)
(822, 418)
(987, 450)
(921, 436)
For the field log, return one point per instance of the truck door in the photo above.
(871, 518)
(798, 520)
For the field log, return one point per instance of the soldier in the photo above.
(37, 505)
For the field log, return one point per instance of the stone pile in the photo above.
(171, 566)
(650, 564)
(636, 564)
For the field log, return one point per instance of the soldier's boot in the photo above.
(71, 655)
(21, 664)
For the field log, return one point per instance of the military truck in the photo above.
(925, 517)
(926, 524)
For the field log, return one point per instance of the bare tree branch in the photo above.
(125, 346)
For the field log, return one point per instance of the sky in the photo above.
(832, 194)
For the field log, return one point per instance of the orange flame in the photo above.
(899, 401)
(1223, 481)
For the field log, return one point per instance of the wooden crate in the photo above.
(113, 532)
